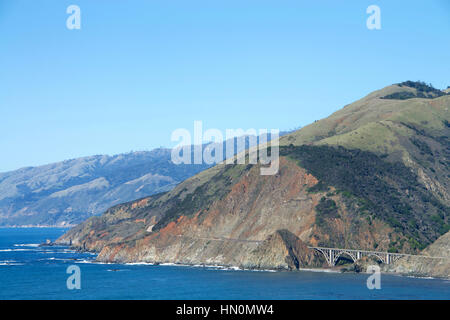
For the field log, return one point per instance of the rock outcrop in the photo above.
(439, 266)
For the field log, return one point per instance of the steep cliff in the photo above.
(374, 175)
(223, 216)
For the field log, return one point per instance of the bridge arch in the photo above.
(344, 253)
(326, 254)
(381, 258)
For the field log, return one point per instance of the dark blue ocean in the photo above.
(31, 272)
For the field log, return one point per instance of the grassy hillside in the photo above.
(373, 175)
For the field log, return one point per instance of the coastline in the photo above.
(93, 260)
(210, 266)
(236, 268)
(221, 267)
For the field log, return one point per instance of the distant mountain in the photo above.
(68, 192)
(373, 175)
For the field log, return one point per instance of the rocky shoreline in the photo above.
(356, 267)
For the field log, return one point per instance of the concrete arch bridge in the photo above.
(333, 254)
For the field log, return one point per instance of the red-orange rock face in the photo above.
(256, 224)
(382, 163)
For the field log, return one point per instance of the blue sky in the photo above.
(137, 70)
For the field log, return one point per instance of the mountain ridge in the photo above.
(66, 193)
(336, 186)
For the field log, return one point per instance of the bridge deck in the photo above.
(379, 253)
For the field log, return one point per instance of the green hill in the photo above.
(373, 175)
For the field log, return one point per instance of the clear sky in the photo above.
(137, 70)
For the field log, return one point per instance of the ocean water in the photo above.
(31, 272)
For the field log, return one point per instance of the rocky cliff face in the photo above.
(229, 229)
(374, 175)
(436, 267)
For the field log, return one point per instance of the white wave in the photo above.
(215, 267)
(9, 250)
(11, 264)
(27, 245)
(319, 270)
(91, 262)
(139, 264)
(235, 268)
(84, 261)
(421, 277)
(169, 264)
(58, 259)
